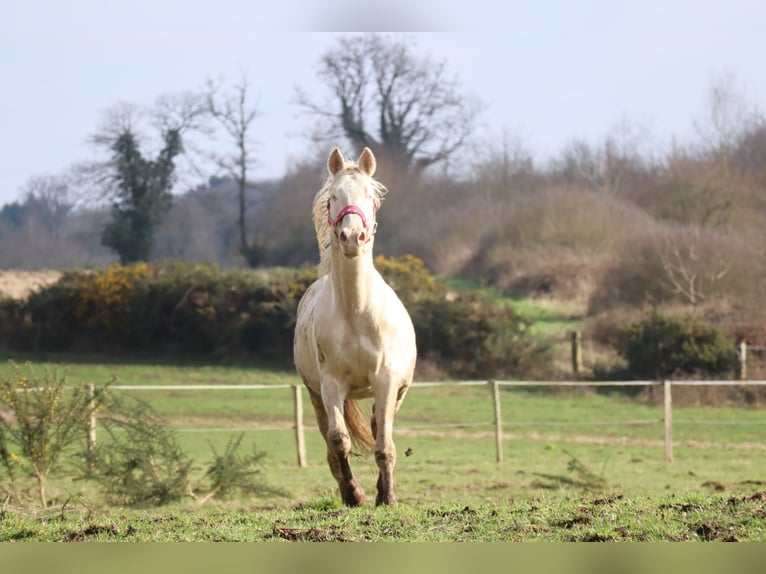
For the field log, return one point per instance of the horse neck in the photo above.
(352, 281)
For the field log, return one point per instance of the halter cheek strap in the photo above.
(356, 210)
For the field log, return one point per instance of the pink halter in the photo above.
(355, 209)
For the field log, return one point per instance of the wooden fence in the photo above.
(492, 385)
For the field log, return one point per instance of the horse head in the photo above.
(353, 202)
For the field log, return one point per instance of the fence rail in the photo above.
(492, 385)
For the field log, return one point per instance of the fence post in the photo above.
(91, 440)
(495, 388)
(668, 421)
(299, 438)
(576, 353)
(742, 361)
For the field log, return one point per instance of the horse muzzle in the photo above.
(351, 237)
(352, 240)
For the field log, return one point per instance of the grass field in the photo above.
(577, 465)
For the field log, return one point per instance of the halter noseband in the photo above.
(356, 210)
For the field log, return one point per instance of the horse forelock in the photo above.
(319, 211)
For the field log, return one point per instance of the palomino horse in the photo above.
(353, 337)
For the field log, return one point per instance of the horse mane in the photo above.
(319, 212)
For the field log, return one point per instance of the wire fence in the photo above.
(495, 423)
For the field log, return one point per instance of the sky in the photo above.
(548, 71)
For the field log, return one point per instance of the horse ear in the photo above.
(336, 161)
(367, 163)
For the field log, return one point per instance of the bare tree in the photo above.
(626, 156)
(730, 118)
(190, 230)
(383, 95)
(51, 199)
(579, 164)
(692, 263)
(614, 166)
(505, 167)
(234, 113)
(39, 231)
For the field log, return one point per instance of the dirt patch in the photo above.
(19, 284)
(91, 531)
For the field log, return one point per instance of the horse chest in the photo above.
(350, 352)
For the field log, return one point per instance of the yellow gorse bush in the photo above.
(297, 286)
(408, 276)
(104, 295)
(47, 417)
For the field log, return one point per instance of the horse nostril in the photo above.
(361, 238)
(343, 237)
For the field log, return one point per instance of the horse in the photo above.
(353, 336)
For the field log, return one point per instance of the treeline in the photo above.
(601, 224)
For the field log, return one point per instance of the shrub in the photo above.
(48, 320)
(469, 334)
(11, 314)
(232, 472)
(408, 276)
(45, 419)
(663, 346)
(675, 264)
(103, 299)
(142, 463)
(473, 336)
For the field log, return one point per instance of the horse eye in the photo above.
(334, 197)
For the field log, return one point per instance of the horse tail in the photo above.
(358, 426)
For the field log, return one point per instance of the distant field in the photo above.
(17, 284)
(450, 486)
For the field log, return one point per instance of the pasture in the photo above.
(577, 465)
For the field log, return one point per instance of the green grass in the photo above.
(149, 372)
(581, 518)
(449, 486)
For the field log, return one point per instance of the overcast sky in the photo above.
(548, 71)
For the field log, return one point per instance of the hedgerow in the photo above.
(202, 311)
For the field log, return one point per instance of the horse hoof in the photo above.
(389, 500)
(354, 502)
(353, 497)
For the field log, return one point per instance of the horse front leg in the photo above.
(321, 417)
(339, 444)
(388, 398)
